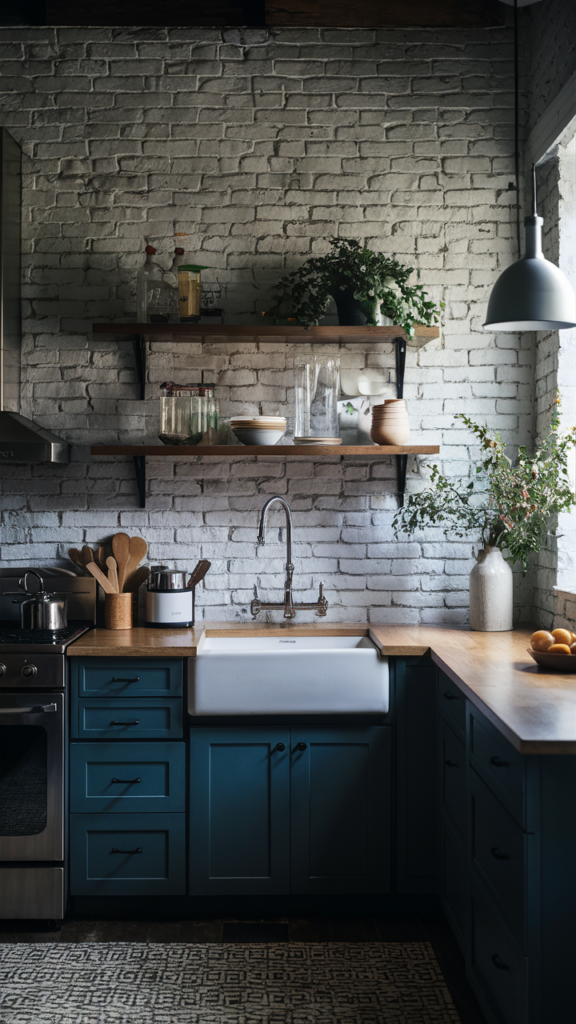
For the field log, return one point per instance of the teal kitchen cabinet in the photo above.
(239, 810)
(416, 789)
(340, 810)
(279, 810)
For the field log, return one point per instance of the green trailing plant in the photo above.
(509, 504)
(380, 285)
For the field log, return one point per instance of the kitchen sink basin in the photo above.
(288, 675)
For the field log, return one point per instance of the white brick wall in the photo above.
(259, 145)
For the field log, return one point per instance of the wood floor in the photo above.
(341, 929)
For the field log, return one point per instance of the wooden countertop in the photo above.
(535, 710)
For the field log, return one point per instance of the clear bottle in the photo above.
(170, 284)
(149, 274)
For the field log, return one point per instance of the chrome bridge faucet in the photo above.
(288, 605)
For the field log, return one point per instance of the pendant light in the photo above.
(532, 294)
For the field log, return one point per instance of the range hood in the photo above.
(20, 439)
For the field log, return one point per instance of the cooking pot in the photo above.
(42, 610)
(169, 598)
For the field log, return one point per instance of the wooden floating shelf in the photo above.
(303, 335)
(233, 451)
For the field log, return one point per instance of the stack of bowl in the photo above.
(258, 429)
(390, 422)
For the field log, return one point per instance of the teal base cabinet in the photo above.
(417, 797)
(291, 810)
(127, 778)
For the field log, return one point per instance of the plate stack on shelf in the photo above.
(324, 441)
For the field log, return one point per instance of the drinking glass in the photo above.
(316, 387)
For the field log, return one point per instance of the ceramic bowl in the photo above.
(258, 435)
(554, 662)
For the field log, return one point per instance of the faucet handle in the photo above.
(322, 602)
(255, 604)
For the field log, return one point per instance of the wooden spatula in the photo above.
(199, 573)
(87, 555)
(121, 552)
(76, 556)
(102, 579)
(112, 572)
(131, 583)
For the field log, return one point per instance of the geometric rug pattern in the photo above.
(223, 983)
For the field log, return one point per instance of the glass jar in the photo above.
(187, 412)
(189, 291)
(316, 388)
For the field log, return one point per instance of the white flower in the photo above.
(362, 269)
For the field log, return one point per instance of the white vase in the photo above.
(491, 592)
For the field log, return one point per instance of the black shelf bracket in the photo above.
(140, 471)
(139, 346)
(400, 345)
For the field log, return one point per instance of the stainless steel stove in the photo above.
(33, 733)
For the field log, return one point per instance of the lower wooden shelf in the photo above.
(140, 452)
(282, 451)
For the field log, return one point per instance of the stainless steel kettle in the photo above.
(42, 610)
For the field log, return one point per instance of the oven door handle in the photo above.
(39, 709)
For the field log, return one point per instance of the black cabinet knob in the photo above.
(2, 670)
(498, 762)
(499, 963)
(450, 696)
(280, 747)
(498, 854)
(300, 746)
(451, 764)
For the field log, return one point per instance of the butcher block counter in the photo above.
(534, 709)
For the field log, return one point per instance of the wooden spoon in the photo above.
(121, 552)
(76, 556)
(137, 551)
(113, 572)
(101, 561)
(87, 555)
(102, 579)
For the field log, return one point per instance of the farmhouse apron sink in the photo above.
(288, 675)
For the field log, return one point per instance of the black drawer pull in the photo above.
(452, 764)
(135, 722)
(300, 746)
(498, 762)
(137, 850)
(280, 747)
(128, 782)
(116, 679)
(450, 696)
(499, 963)
(498, 854)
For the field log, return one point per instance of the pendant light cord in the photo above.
(517, 128)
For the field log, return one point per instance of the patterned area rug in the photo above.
(223, 983)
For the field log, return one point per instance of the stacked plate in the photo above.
(325, 441)
(258, 429)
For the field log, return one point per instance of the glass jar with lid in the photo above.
(186, 412)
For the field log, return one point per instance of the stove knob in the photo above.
(3, 670)
(29, 671)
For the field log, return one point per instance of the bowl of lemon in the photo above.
(555, 650)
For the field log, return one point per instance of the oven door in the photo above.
(31, 776)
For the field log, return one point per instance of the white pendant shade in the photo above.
(532, 294)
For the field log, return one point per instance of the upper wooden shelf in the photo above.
(182, 332)
(233, 451)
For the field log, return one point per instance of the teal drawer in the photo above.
(120, 777)
(500, 766)
(127, 719)
(452, 705)
(499, 851)
(126, 677)
(137, 855)
(453, 780)
(499, 970)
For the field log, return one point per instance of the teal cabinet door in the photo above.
(416, 785)
(239, 811)
(341, 814)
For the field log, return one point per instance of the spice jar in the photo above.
(189, 289)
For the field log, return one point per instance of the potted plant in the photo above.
(366, 286)
(510, 510)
